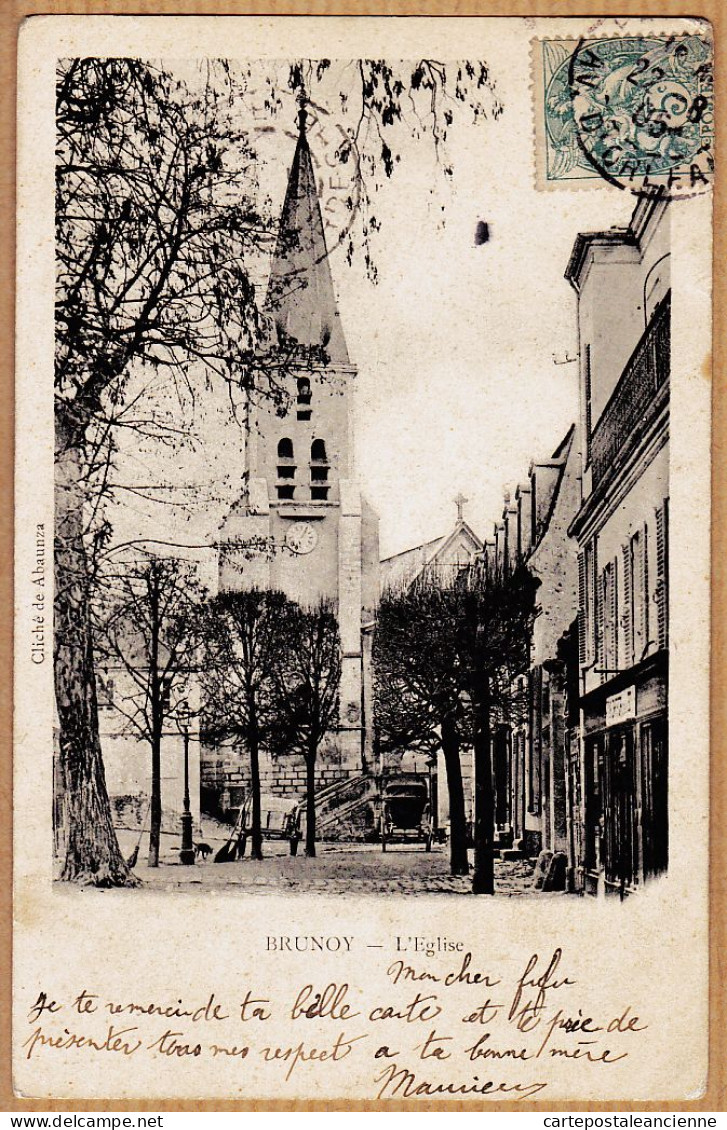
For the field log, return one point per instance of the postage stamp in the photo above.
(637, 111)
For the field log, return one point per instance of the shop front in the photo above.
(626, 780)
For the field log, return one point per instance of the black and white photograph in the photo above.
(361, 571)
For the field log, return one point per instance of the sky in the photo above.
(456, 345)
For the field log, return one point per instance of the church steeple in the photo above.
(312, 535)
(301, 299)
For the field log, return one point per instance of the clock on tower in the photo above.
(301, 537)
(301, 496)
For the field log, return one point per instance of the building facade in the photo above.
(301, 524)
(542, 728)
(536, 725)
(621, 278)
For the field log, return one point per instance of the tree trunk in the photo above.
(90, 850)
(483, 878)
(310, 803)
(458, 862)
(155, 806)
(256, 832)
(155, 803)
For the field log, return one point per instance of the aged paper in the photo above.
(363, 423)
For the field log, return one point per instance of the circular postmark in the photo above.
(643, 109)
(336, 170)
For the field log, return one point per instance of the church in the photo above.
(301, 524)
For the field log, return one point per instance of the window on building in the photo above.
(582, 609)
(286, 468)
(319, 471)
(593, 626)
(611, 611)
(304, 399)
(627, 614)
(608, 620)
(661, 595)
(642, 618)
(639, 594)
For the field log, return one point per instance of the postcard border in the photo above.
(10, 19)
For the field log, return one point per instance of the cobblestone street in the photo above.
(339, 869)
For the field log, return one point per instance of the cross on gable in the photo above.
(459, 502)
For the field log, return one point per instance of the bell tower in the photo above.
(301, 524)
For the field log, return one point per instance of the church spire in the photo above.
(301, 298)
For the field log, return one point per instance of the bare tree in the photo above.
(244, 639)
(493, 616)
(308, 675)
(148, 626)
(419, 689)
(150, 271)
(155, 229)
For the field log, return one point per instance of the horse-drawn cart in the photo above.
(405, 809)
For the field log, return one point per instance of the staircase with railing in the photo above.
(340, 807)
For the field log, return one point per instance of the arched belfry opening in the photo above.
(318, 538)
(319, 468)
(303, 399)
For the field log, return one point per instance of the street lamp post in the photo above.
(186, 855)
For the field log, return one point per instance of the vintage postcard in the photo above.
(362, 558)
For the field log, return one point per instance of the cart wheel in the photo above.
(428, 844)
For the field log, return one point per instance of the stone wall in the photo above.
(226, 777)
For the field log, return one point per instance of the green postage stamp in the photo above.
(635, 110)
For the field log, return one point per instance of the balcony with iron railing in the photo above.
(641, 393)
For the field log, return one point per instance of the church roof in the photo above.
(549, 487)
(301, 298)
(401, 570)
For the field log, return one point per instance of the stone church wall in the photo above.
(225, 777)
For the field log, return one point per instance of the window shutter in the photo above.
(645, 620)
(582, 609)
(600, 600)
(662, 589)
(614, 614)
(610, 631)
(592, 595)
(628, 608)
(637, 595)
